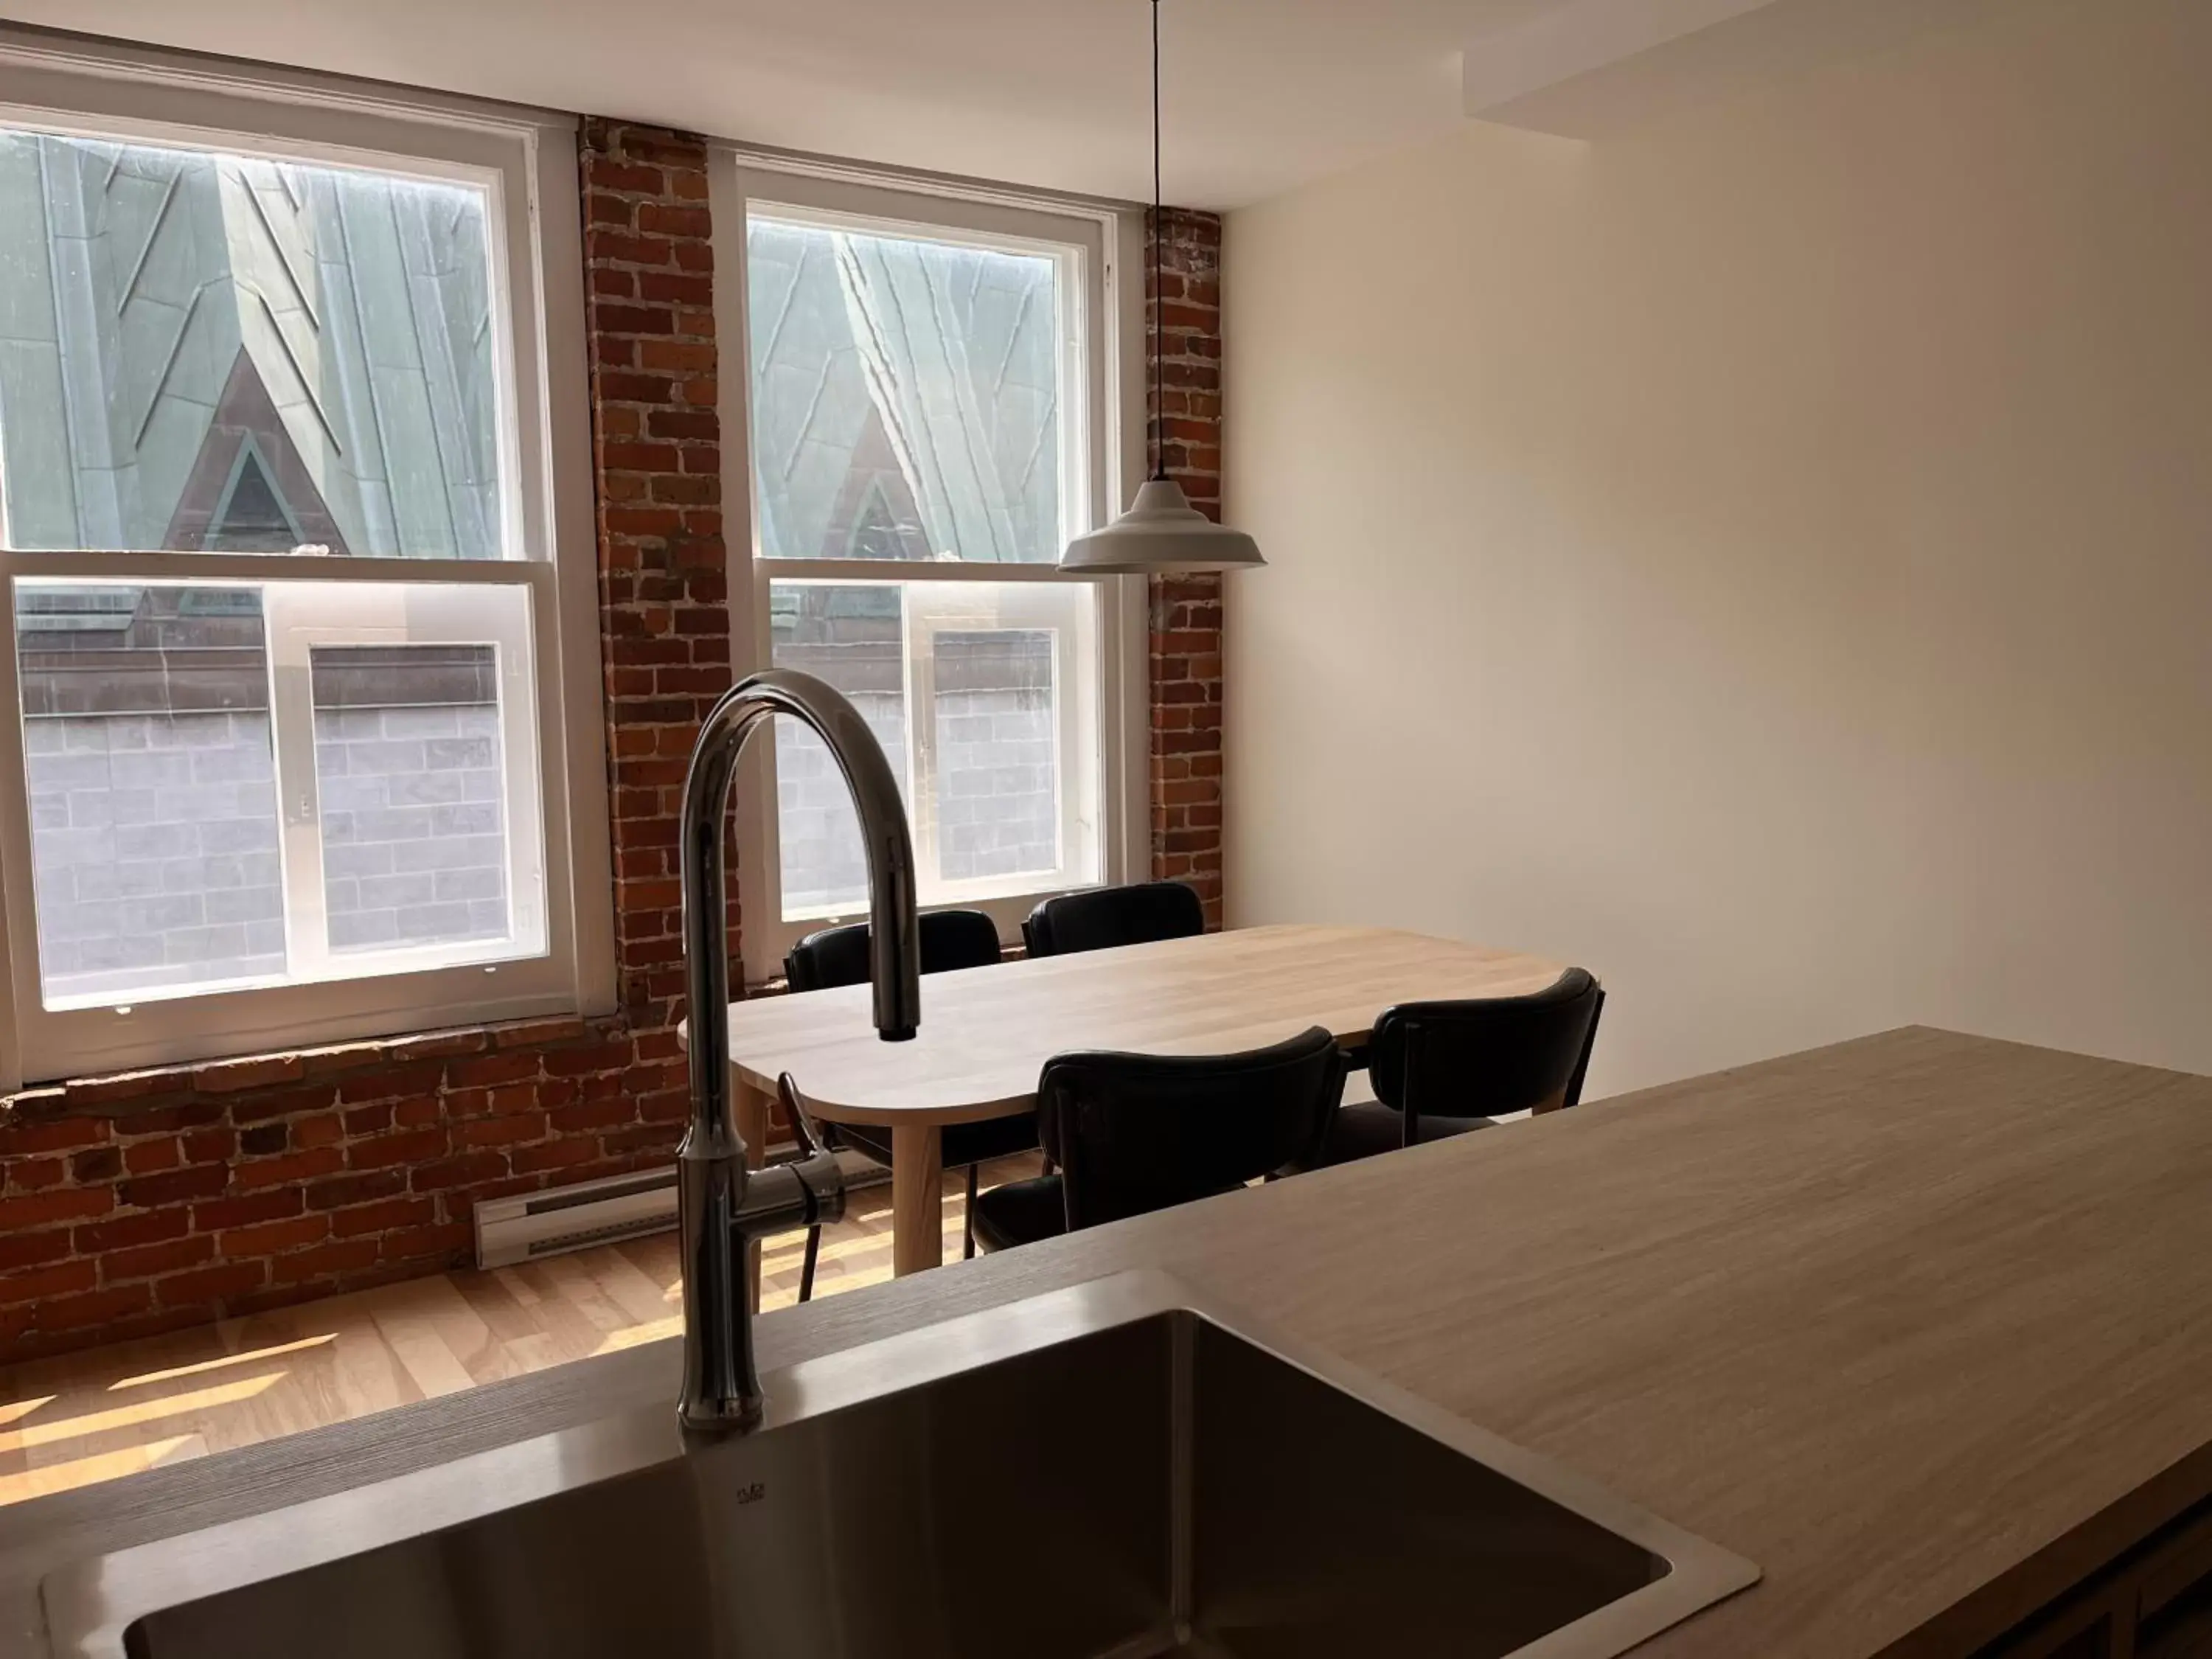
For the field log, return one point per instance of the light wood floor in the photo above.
(110, 1411)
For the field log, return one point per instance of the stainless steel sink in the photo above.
(1117, 1468)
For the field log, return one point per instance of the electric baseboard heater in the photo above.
(531, 1225)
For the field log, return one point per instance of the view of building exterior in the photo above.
(906, 408)
(906, 397)
(203, 352)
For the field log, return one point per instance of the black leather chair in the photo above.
(1103, 917)
(1444, 1068)
(838, 956)
(1132, 1134)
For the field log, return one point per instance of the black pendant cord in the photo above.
(1158, 423)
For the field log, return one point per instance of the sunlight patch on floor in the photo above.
(245, 1357)
(124, 1417)
(15, 1410)
(105, 1466)
(614, 1342)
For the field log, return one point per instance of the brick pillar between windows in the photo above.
(664, 585)
(1186, 611)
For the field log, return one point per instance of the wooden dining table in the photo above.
(986, 1032)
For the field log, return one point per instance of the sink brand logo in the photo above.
(751, 1494)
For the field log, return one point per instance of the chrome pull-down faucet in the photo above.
(722, 1207)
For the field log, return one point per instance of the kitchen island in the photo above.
(1921, 1323)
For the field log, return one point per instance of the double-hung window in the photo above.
(284, 742)
(929, 414)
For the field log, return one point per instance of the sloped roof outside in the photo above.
(131, 276)
(951, 352)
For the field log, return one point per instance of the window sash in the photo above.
(940, 608)
(894, 572)
(1077, 284)
(183, 118)
(928, 609)
(162, 1026)
(300, 616)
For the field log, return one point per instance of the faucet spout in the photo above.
(721, 1383)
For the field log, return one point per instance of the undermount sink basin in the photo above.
(1113, 1470)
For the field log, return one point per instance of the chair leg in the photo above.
(967, 1244)
(806, 1271)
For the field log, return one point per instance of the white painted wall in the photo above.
(1766, 557)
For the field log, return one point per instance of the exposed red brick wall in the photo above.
(663, 583)
(160, 1199)
(1186, 611)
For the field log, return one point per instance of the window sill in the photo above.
(118, 1093)
(113, 1094)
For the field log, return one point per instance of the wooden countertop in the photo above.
(1921, 1323)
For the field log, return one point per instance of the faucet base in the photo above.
(719, 1381)
(713, 1419)
(724, 1209)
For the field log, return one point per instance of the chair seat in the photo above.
(1020, 1212)
(1367, 1127)
(1023, 1212)
(965, 1143)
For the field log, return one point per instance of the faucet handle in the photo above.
(811, 1143)
(816, 1168)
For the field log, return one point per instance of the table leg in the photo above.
(917, 1198)
(752, 1114)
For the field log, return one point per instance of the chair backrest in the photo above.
(1138, 1133)
(838, 956)
(1103, 917)
(1487, 1055)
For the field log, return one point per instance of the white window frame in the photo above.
(527, 161)
(1109, 238)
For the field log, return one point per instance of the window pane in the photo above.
(411, 785)
(852, 636)
(998, 772)
(282, 783)
(147, 753)
(202, 351)
(907, 396)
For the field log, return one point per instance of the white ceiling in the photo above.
(1261, 94)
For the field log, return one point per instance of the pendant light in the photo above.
(1162, 531)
